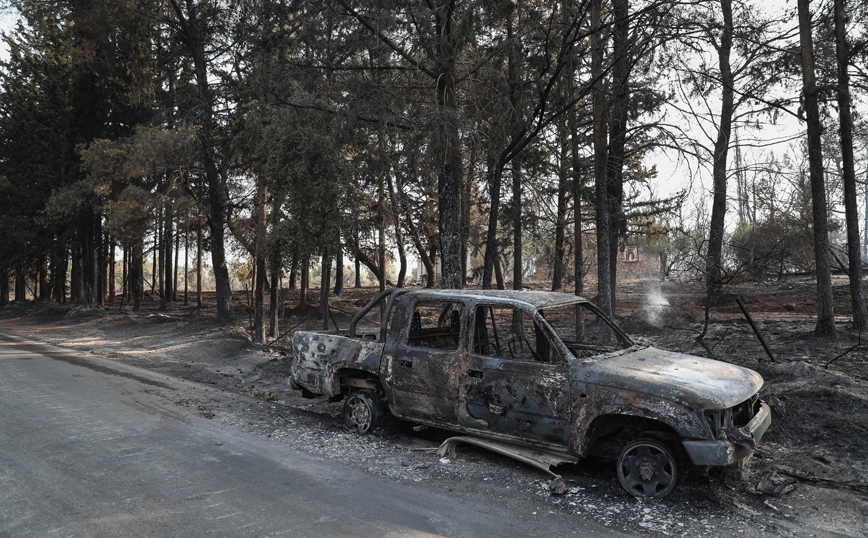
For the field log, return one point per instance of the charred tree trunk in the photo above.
(274, 269)
(559, 268)
(160, 259)
(860, 315)
(604, 283)
(515, 210)
(187, 265)
(274, 302)
(136, 273)
(61, 264)
(617, 137)
(578, 238)
(168, 244)
(101, 266)
(305, 282)
(325, 285)
(450, 178)
(44, 290)
(825, 309)
(111, 271)
(399, 236)
(75, 272)
(193, 39)
(88, 266)
(199, 266)
(358, 283)
(20, 286)
(339, 271)
(176, 258)
(415, 236)
(259, 254)
(381, 246)
(4, 284)
(713, 267)
(495, 180)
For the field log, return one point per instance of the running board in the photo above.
(540, 459)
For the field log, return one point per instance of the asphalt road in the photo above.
(91, 447)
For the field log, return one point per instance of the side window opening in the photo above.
(509, 333)
(435, 325)
(584, 332)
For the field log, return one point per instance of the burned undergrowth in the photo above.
(819, 430)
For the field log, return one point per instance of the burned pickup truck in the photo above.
(539, 371)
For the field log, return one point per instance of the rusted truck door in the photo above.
(515, 382)
(418, 365)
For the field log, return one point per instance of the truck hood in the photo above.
(698, 382)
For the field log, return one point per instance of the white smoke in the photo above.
(657, 306)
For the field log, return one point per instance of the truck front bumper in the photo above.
(727, 452)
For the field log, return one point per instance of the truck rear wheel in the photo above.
(363, 411)
(646, 468)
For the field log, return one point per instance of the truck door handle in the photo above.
(478, 374)
(406, 363)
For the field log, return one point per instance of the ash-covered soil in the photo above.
(819, 431)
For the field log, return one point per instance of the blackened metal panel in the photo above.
(524, 399)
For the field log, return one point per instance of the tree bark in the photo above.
(450, 177)
(860, 314)
(825, 309)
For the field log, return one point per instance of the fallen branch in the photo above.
(288, 331)
(848, 350)
(858, 485)
(700, 339)
(755, 329)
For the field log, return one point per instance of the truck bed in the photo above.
(319, 357)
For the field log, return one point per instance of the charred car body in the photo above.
(536, 369)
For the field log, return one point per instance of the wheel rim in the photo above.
(359, 413)
(647, 470)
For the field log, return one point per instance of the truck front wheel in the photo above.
(363, 411)
(646, 468)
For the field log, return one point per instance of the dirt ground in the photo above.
(818, 441)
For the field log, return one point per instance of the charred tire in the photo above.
(363, 411)
(647, 468)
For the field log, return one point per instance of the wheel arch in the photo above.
(608, 432)
(349, 379)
